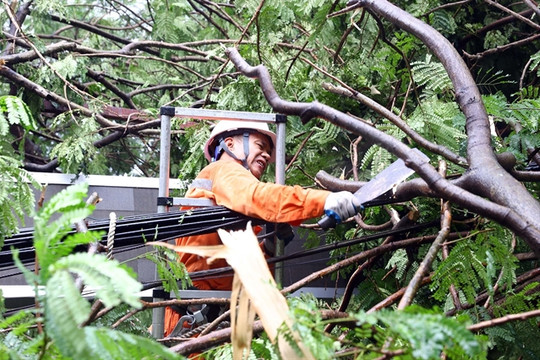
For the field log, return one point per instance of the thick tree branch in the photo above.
(487, 176)
(115, 90)
(396, 120)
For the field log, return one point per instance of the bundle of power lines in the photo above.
(131, 231)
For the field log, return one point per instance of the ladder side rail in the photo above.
(158, 313)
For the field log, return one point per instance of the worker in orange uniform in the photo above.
(239, 152)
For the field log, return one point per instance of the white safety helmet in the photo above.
(225, 128)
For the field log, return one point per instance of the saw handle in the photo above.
(329, 220)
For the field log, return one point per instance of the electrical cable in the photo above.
(137, 229)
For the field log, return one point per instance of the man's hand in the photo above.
(341, 205)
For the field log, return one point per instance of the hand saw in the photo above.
(384, 181)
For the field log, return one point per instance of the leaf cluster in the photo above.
(428, 332)
(65, 309)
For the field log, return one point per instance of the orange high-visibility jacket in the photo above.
(229, 184)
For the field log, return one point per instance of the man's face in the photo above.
(259, 152)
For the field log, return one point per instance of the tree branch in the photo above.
(487, 177)
(534, 7)
(514, 14)
(502, 48)
(425, 265)
(503, 320)
(396, 120)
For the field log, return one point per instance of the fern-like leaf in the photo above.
(169, 269)
(444, 22)
(65, 309)
(76, 151)
(374, 161)
(15, 112)
(399, 260)
(432, 75)
(535, 63)
(439, 122)
(327, 134)
(427, 332)
(110, 281)
(103, 343)
(195, 138)
(458, 270)
(48, 237)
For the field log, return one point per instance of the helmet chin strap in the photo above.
(223, 146)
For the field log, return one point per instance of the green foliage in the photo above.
(444, 22)
(16, 197)
(399, 261)
(49, 241)
(427, 333)
(376, 287)
(173, 23)
(48, 6)
(376, 159)
(521, 115)
(261, 348)
(513, 338)
(169, 269)
(490, 80)
(13, 111)
(310, 326)
(535, 63)
(68, 67)
(528, 299)
(327, 134)
(242, 94)
(439, 121)
(373, 58)
(138, 324)
(431, 74)
(65, 310)
(78, 152)
(113, 283)
(309, 159)
(192, 142)
(494, 38)
(476, 263)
